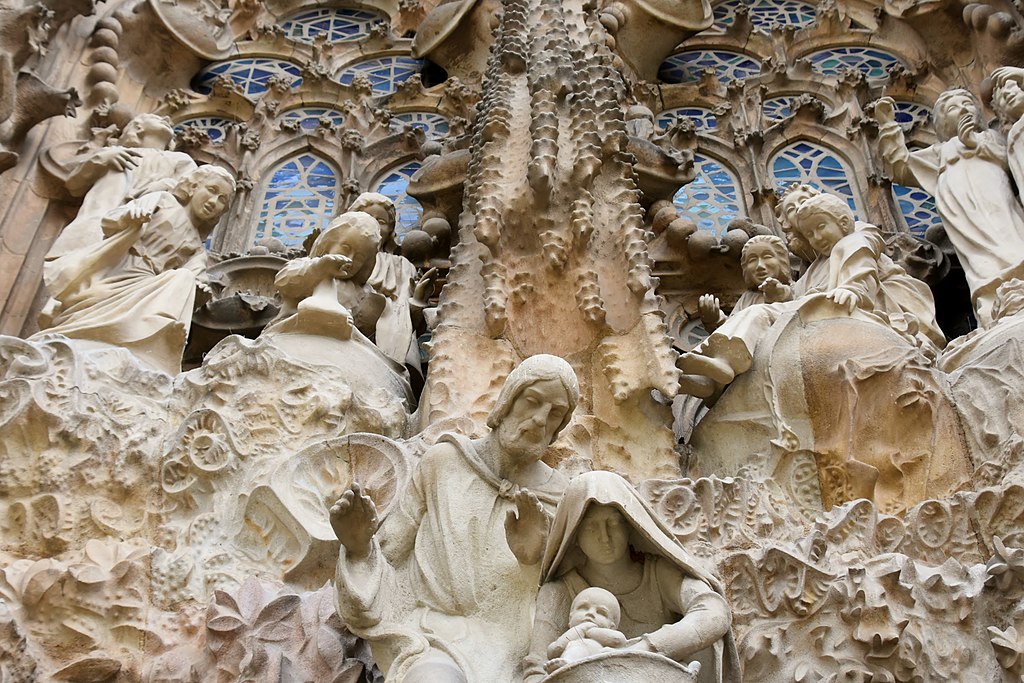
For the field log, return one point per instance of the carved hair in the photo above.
(797, 244)
(161, 122)
(778, 245)
(188, 185)
(947, 130)
(357, 222)
(532, 370)
(826, 205)
(368, 199)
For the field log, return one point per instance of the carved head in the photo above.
(535, 403)
(381, 208)
(206, 192)
(823, 221)
(595, 606)
(1008, 100)
(149, 131)
(764, 256)
(950, 107)
(353, 234)
(795, 195)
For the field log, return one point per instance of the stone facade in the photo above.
(487, 340)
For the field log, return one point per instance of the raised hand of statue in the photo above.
(424, 288)
(843, 298)
(526, 528)
(967, 130)
(884, 110)
(1007, 73)
(354, 520)
(709, 308)
(117, 158)
(774, 290)
(335, 265)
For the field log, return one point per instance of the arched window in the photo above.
(917, 207)
(299, 198)
(689, 67)
(778, 108)
(214, 126)
(394, 184)
(434, 125)
(712, 199)
(308, 118)
(252, 73)
(871, 62)
(385, 73)
(805, 162)
(703, 119)
(336, 25)
(909, 114)
(764, 14)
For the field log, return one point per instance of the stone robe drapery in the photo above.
(442, 575)
(394, 277)
(983, 219)
(136, 288)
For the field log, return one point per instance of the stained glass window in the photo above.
(778, 108)
(299, 198)
(336, 25)
(917, 207)
(871, 62)
(688, 67)
(394, 185)
(703, 119)
(434, 125)
(804, 162)
(385, 73)
(214, 126)
(308, 118)
(909, 114)
(712, 199)
(766, 13)
(252, 73)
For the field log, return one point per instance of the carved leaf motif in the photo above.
(271, 624)
(89, 670)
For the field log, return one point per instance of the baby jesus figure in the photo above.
(593, 620)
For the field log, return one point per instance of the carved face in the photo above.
(1008, 100)
(357, 246)
(603, 535)
(146, 131)
(760, 262)
(595, 606)
(210, 199)
(791, 204)
(383, 218)
(822, 231)
(534, 418)
(951, 111)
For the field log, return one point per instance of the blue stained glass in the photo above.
(766, 13)
(871, 62)
(711, 200)
(917, 207)
(395, 184)
(779, 108)
(308, 118)
(804, 162)
(909, 114)
(252, 73)
(385, 73)
(298, 199)
(214, 126)
(434, 125)
(703, 119)
(336, 25)
(689, 67)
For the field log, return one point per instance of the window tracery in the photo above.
(703, 119)
(299, 198)
(778, 108)
(918, 208)
(395, 184)
(764, 14)
(909, 114)
(384, 73)
(712, 199)
(689, 66)
(214, 126)
(336, 25)
(434, 125)
(870, 61)
(308, 118)
(251, 73)
(805, 162)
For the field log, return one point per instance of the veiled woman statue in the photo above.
(136, 289)
(604, 535)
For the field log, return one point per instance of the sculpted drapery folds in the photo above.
(444, 588)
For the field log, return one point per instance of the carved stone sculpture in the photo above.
(670, 605)
(765, 263)
(434, 584)
(967, 172)
(136, 289)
